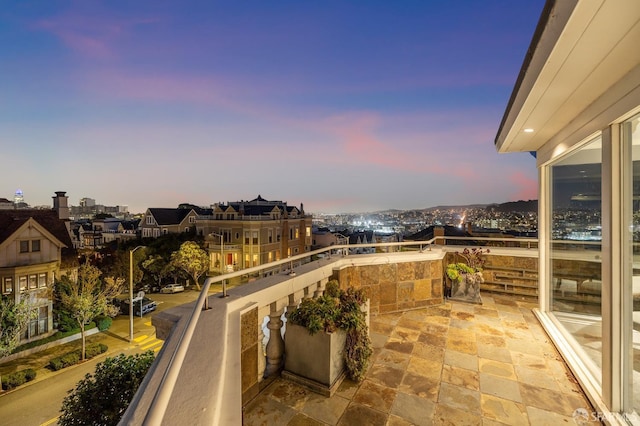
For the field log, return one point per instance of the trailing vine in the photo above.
(339, 309)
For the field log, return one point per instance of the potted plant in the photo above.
(466, 276)
(328, 338)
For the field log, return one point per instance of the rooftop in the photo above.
(455, 363)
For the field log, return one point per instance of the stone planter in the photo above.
(315, 362)
(467, 288)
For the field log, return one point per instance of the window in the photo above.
(42, 280)
(23, 283)
(291, 233)
(229, 216)
(246, 237)
(296, 233)
(574, 247)
(150, 220)
(24, 246)
(278, 237)
(270, 236)
(255, 237)
(165, 231)
(33, 281)
(308, 231)
(192, 219)
(7, 285)
(35, 245)
(237, 236)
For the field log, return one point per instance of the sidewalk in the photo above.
(39, 360)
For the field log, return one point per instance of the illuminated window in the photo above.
(42, 280)
(308, 231)
(7, 285)
(33, 281)
(23, 283)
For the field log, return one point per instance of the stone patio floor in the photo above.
(452, 364)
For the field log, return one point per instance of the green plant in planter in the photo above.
(470, 271)
(339, 309)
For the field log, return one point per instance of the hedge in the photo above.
(103, 322)
(13, 380)
(73, 357)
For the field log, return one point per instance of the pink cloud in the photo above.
(91, 36)
(527, 187)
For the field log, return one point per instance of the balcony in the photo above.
(434, 360)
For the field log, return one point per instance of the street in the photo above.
(39, 403)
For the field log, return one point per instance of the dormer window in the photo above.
(24, 246)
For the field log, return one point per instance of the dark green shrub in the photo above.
(66, 322)
(103, 322)
(55, 364)
(102, 398)
(94, 349)
(29, 374)
(13, 380)
(72, 358)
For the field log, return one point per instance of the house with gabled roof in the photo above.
(162, 221)
(35, 249)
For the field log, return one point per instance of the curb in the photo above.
(51, 374)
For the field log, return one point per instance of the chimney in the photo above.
(438, 231)
(60, 204)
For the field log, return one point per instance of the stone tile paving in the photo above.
(454, 364)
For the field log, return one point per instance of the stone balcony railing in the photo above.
(215, 358)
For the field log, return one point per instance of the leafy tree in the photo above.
(157, 267)
(13, 319)
(192, 259)
(87, 296)
(103, 398)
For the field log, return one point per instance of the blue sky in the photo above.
(345, 106)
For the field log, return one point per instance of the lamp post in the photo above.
(224, 286)
(131, 292)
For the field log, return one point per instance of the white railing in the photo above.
(284, 284)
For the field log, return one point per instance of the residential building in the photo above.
(162, 221)
(576, 105)
(35, 248)
(243, 234)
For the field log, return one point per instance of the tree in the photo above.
(13, 319)
(103, 398)
(192, 259)
(87, 296)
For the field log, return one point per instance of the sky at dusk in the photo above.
(345, 106)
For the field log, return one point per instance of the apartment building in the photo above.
(243, 234)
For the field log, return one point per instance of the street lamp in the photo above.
(131, 292)
(224, 285)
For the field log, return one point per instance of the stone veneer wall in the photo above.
(249, 355)
(396, 286)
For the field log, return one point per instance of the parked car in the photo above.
(172, 288)
(140, 307)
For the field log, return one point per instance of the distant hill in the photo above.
(515, 206)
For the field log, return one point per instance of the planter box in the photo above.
(315, 362)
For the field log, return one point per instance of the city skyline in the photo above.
(344, 107)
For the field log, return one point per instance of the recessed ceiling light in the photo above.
(528, 130)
